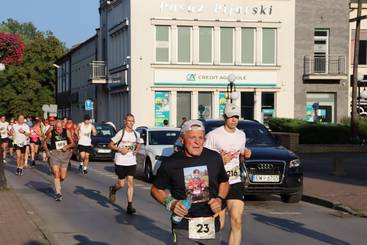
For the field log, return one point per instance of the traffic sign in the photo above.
(88, 105)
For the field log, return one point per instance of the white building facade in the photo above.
(171, 59)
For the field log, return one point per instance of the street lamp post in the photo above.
(231, 88)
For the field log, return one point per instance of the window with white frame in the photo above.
(226, 45)
(184, 44)
(269, 46)
(205, 44)
(162, 44)
(247, 45)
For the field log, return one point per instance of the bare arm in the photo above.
(216, 203)
(70, 138)
(94, 131)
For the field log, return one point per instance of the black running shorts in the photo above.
(123, 171)
(236, 192)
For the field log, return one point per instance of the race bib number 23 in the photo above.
(202, 228)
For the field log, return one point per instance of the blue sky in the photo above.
(72, 21)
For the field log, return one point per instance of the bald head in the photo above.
(59, 126)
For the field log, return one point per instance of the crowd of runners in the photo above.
(197, 184)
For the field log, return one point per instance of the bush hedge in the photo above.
(319, 133)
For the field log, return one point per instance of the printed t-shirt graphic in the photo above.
(197, 183)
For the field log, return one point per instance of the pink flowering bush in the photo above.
(11, 48)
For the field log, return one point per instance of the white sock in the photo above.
(81, 163)
(85, 168)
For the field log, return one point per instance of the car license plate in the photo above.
(104, 151)
(265, 178)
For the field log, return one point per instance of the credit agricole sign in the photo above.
(226, 9)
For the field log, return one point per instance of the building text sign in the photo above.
(217, 8)
(215, 78)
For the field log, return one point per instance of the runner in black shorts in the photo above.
(230, 142)
(126, 143)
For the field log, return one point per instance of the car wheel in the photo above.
(148, 173)
(292, 198)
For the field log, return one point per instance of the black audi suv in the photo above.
(272, 169)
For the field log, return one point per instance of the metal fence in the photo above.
(324, 65)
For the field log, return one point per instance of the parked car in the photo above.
(100, 143)
(272, 169)
(158, 143)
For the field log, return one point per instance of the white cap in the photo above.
(232, 110)
(192, 125)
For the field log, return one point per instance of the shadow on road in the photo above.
(94, 195)
(82, 240)
(43, 187)
(140, 222)
(145, 225)
(296, 227)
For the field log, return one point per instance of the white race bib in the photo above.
(202, 228)
(60, 144)
(233, 173)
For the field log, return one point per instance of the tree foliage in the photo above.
(26, 86)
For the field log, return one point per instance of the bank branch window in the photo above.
(205, 105)
(267, 105)
(205, 44)
(184, 44)
(247, 45)
(183, 107)
(268, 46)
(320, 107)
(162, 44)
(226, 45)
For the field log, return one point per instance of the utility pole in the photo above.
(354, 117)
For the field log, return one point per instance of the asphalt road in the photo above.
(86, 217)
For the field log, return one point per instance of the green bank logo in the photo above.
(191, 77)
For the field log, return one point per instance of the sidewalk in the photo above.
(349, 189)
(16, 226)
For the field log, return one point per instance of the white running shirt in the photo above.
(4, 129)
(19, 138)
(221, 140)
(85, 134)
(129, 140)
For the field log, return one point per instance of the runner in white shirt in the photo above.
(20, 133)
(84, 131)
(230, 143)
(126, 143)
(4, 139)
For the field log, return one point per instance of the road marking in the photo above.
(286, 213)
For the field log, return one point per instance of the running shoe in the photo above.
(33, 164)
(80, 168)
(58, 197)
(21, 171)
(85, 171)
(17, 172)
(112, 195)
(130, 210)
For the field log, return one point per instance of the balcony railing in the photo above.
(325, 65)
(97, 72)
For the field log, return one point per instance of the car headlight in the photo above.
(295, 163)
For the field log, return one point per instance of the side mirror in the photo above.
(144, 137)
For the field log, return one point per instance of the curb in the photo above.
(333, 205)
(38, 222)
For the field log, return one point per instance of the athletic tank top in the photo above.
(85, 133)
(58, 141)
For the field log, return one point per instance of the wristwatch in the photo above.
(221, 198)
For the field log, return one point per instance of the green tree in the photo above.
(26, 86)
